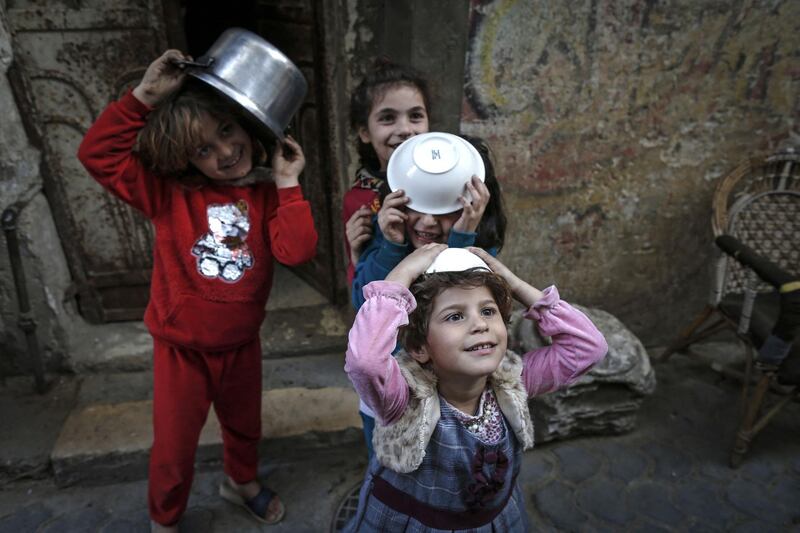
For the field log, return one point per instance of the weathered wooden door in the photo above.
(74, 57)
(294, 26)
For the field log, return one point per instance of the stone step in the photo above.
(305, 330)
(286, 332)
(97, 429)
(104, 443)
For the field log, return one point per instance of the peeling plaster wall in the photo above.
(42, 257)
(361, 46)
(610, 122)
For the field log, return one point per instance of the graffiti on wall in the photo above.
(568, 91)
(610, 121)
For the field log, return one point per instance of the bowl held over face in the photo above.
(253, 73)
(433, 169)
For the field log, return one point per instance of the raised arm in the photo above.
(373, 337)
(378, 259)
(369, 363)
(107, 148)
(577, 345)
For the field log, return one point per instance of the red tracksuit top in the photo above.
(214, 244)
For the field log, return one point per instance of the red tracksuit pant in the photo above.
(185, 384)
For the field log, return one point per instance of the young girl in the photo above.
(185, 157)
(452, 407)
(390, 105)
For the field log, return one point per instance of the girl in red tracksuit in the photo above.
(185, 157)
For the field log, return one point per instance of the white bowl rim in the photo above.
(409, 146)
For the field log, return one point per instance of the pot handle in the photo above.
(200, 63)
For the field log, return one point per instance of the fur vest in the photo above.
(401, 445)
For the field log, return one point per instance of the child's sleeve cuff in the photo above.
(548, 301)
(135, 105)
(391, 290)
(290, 195)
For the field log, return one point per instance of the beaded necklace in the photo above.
(487, 425)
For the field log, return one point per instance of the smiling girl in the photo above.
(390, 105)
(452, 406)
(188, 160)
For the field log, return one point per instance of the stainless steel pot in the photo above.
(252, 72)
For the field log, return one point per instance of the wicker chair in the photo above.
(755, 290)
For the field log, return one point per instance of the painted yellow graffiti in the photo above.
(486, 55)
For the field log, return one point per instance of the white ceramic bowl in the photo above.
(456, 260)
(433, 169)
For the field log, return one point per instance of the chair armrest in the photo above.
(788, 323)
(763, 267)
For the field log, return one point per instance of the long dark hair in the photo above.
(492, 227)
(383, 76)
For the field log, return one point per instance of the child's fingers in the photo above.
(479, 192)
(490, 260)
(482, 191)
(434, 247)
(359, 216)
(393, 219)
(365, 214)
(359, 241)
(480, 252)
(495, 265)
(430, 251)
(358, 232)
(466, 206)
(290, 145)
(358, 227)
(362, 221)
(425, 254)
(394, 194)
(470, 186)
(395, 213)
(395, 199)
(170, 55)
(480, 185)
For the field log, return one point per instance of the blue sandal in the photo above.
(256, 506)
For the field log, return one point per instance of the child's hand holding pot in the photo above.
(162, 78)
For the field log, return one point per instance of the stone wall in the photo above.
(610, 122)
(43, 259)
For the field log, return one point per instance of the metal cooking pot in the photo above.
(256, 75)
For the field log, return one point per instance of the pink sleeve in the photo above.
(577, 345)
(369, 363)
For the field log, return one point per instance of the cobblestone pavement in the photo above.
(670, 474)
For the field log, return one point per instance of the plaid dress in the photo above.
(460, 479)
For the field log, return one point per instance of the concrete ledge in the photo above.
(29, 425)
(101, 443)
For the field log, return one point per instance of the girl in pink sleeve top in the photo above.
(452, 406)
